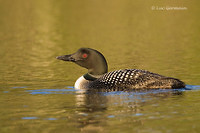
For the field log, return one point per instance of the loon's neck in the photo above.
(97, 64)
(91, 77)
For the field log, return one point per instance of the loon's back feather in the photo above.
(135, 79)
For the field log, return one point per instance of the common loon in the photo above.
(98, 76)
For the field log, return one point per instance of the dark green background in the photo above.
(129, 34)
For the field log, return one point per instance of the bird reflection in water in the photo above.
(96, 107)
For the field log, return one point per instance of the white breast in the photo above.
(81, 83)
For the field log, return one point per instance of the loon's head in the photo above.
(88, 58)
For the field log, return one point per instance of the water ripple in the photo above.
(51, 91)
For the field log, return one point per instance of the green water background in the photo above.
(129, 34)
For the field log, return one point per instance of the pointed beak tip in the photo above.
(58, 57)
(65, 58)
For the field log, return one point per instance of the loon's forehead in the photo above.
(83, 50)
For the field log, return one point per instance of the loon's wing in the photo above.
(137, 79)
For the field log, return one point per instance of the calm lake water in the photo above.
(36, 90)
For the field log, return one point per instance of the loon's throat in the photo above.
(90, 77)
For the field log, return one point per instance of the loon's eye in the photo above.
(84, 55)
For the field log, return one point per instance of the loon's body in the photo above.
(98, 77)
